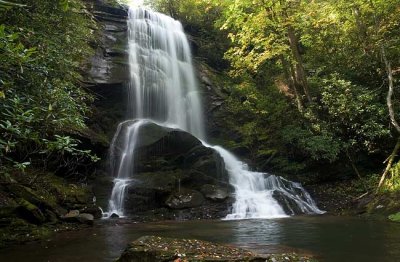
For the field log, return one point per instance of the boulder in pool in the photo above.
(154, 249)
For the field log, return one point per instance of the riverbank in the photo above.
(34, 206)
(355, 198)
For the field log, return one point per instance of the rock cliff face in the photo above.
(107, 71)
(106, 75)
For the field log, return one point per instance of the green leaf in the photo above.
(8, 5)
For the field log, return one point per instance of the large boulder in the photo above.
(71, 216)
(86, 218)
(170, 168)
(93, 210)
(29, 195)
(152, 248)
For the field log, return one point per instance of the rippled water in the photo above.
(327, 238)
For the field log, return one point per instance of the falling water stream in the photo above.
(163, 90)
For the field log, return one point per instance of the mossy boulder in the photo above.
(29, 212)
(153, 249)
(30, 195)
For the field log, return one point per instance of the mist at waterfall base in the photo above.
(163, 90)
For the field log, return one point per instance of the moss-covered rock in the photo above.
(30, 212)
(33, 202)
(153, 249)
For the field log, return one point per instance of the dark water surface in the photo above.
(333, 239)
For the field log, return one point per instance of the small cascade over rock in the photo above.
(261, 195)
(159, 156)
(122, 163)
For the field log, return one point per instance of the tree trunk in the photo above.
(389, 103)
(390, 91)
(389, 164)
(353, 165)
(287, 70)
(301, 78)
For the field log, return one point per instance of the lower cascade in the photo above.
(163, 90)
(254, 192)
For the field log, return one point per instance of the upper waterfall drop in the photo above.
(163, 84)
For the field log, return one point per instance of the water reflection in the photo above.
(115, 240)
(331, 239)
(257, 234)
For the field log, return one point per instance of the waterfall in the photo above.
(163, 90)
(163, 85)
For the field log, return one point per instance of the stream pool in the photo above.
(336, 239)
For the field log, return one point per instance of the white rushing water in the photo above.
(122, 163)
(163, 90)
(163, 85)
(254, 192)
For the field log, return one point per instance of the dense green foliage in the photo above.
(43, 45)
(395, 217)
(309, 83)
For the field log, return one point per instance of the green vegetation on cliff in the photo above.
(312, 82)
(43, 46)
